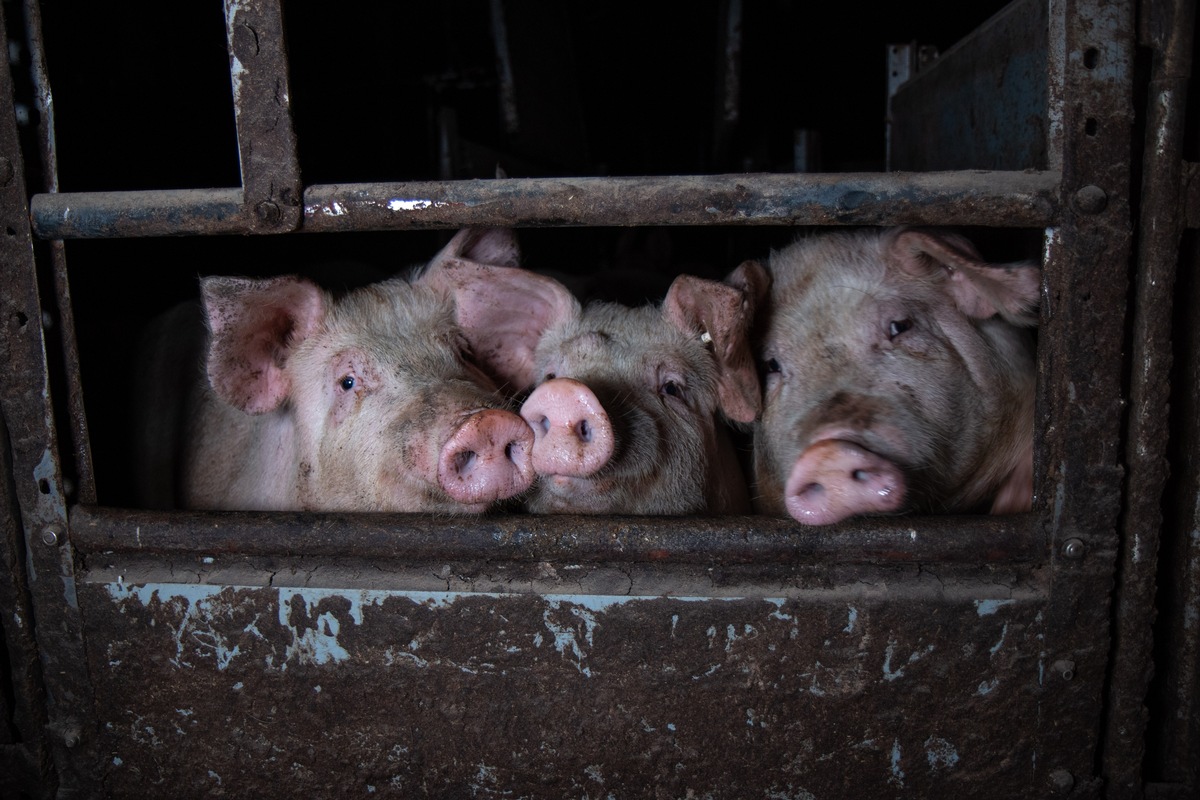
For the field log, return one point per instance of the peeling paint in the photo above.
(888, 673)
(940, 753)
(987, 686)
(897, 777)
(988, 607)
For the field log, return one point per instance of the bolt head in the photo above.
(51, 537)
(1091, 199)
(1062, 780)
(268, 212)
(1073, 549)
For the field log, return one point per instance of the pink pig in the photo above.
(899, 377)
(368, 402)
(627, 403)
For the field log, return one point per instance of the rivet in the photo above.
(72, 735)
(1091, 199)
(50, 537)
(1065, 669)
(268, 212)
(1073, 549)
(1062, 780)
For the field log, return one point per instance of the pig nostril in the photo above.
(585, 431)
(463, 461)
(542, 425)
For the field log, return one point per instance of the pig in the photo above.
(899, 377)
(626, 404)
(369, 401)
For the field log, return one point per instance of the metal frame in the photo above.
(1079, 670)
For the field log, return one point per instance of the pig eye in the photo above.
(897, 327)
(347, 383)
(672, 388)
(771, 365)
(550, 376)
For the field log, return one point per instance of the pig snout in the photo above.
(572, 432)
(835, 479)
(487, 458)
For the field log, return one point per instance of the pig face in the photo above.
(898, 377)
(626, 401)
(370, 402)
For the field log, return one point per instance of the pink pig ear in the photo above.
(504, 311)
(255, 324)
(496, 246)
(722, 314)
(979, 289)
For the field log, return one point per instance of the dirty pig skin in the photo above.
(899, 376)
(366, 402)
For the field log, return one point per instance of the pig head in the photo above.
(626, 403)
(899, 376)
(366, 402)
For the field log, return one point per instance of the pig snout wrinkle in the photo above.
(488, 458)
(835, 479)
(573, 435)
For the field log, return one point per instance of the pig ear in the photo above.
(254, 326)
(721, 314)
(979, 289)
(496, 246)
(504, 313)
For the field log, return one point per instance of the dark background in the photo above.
(142, 101)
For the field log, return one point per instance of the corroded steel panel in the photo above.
(981, 105)
(280, 691)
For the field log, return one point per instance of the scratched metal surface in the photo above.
(283, 691)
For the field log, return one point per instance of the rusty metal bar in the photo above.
(37, 481)
(1013, 199)
(258, 68)
(1168, 27)
(689, 540)
(24, 759)
(168, 212)
(43, 98)
(1078, 474)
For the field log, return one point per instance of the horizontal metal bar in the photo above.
(1010, 199)
(159, 212)
(665, 540)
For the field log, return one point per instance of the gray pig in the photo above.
(627, 402)
(367, 402)
(899, 377)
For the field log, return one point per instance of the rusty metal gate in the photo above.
(203, 654)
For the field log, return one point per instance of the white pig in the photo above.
(627, 403)
(366, 402)
(899, 376)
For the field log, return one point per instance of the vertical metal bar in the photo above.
(271, 188)
(1160, 229)
(1078, 476)
(26, 406)
(43, 97)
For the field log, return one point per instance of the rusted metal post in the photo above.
(1078, 475)
(271, 187)
(37, 478)
(1168, 26)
